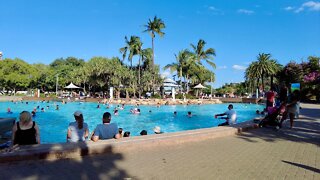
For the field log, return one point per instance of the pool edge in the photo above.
(72, 150)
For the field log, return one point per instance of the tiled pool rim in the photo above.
(72, 150)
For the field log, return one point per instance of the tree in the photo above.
(44, 78)
(252, 75)
(16, 74)
(262, 68)
(146, 57)
(180, 66)
(154, 27)
(133, 47)
(63, 68)
(203, 54)
(292, 73)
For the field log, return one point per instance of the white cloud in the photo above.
(212, 8)
(310, 6)
(221, 67)
(313, 6)
(245, 11)
(299, 10)
(239, 68)
(215, 11)
(289, 8)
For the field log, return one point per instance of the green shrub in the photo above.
(179, 96)
(188, 96)
(156, 96)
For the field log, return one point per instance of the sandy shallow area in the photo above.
(119, 101)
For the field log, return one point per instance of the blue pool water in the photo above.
(53, 123)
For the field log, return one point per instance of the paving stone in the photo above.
(256, 154)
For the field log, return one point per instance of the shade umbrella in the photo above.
(199, 86)
(72, 86)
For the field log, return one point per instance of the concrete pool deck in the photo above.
(74, 150)
(256, 154)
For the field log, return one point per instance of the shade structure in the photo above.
(168, 80)
(72, 86)
(199, 86)
(170, 85)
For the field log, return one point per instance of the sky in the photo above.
(39, 31)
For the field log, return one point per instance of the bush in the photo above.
(179, 96)
(156, 96)
(188, 96)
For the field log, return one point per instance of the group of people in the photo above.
(78, 130)
(283, 104)
(26, 131)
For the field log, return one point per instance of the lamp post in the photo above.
(57, 78)
(211, 86)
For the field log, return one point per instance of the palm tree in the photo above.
(146, 58)
(138, 51)
(132, 46)
(262, 68)
(181, 64)
(154, 27)
(204, 54)
(253, 74)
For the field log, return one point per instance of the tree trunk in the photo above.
(152, 65)
(152, 40)
(181, 89)
(187, 83)
(139, 78)
(262, 81)
(84, 88)
(118, 94)
(127, 94)
(258, 86)
(134, 92)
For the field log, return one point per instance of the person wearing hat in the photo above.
(106, 130)
(78, 130)
(157, 130)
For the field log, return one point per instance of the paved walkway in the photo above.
(257, 154)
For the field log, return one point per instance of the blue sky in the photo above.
(41, 31)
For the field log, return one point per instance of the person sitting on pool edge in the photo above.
(231, 116)
(143, 133)
(26, 131)
(120, 132)
(77, 130)
(126, 134)
(106, 130)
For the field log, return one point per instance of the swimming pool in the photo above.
(53, 123)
